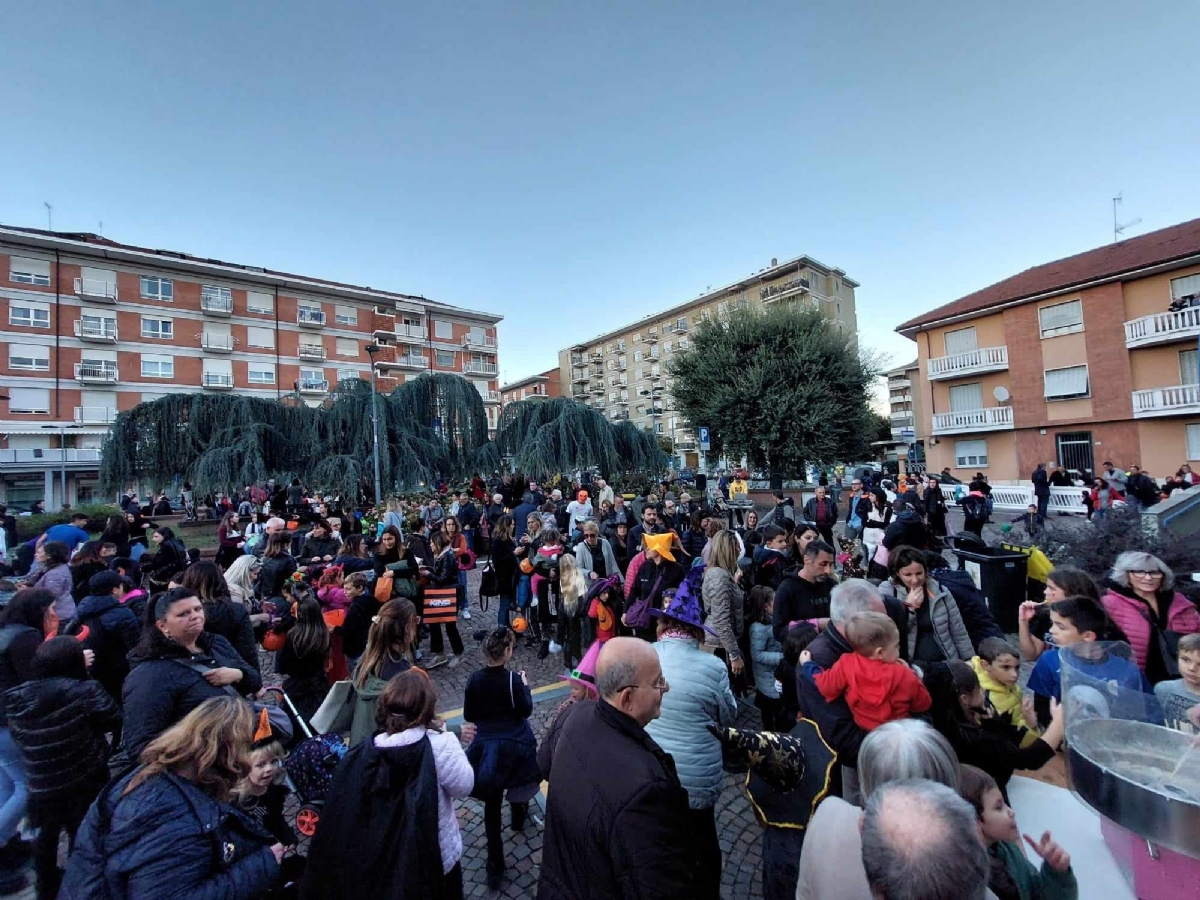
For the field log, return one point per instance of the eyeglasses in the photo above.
(1142, 574)
(659, 685)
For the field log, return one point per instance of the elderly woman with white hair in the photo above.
(1143, 601)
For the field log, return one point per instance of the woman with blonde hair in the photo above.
(723, 598)
(171, 822)
(240, 577)
(572, 609)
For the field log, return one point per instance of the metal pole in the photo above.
(375, 429)
(62, 472)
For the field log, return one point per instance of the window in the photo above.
(259, 302)
(966, 397)
(668, 346)
(28, 315)
(1075, 451)
(1066, 384)
(29, 400)
(444, 358)
(151, 397)
(347, 347)
(345, 315)
(960, 341)
(212, 292)
(312, 376)
(23, 270)
(639, 374)
(29, 357)
(1061, 318)
(343, 374)
(637, 355)
(1193, 438)
(158, 366)
(1187, 287)
(970, 454)
(260, 337)
(1189, 366)
(158, 329)
(260, 373)
(443, 331)
(154, 288)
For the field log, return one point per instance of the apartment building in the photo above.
(91, 327)
(1082, 360)
(544, 384)
(903, 399)
(623, 373)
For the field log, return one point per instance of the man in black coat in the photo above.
(617, 822)
(112, 630)
(650, 525)
(906, 529)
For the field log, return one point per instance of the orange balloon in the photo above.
(519, 624)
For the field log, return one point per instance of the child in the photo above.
(262, 793)
(765, 654)
(1012, 875)
(305, 653)
(794, 642)
(59, 720)
(1180, 699)
(571, 609)
(998, 667)
(602, 599)
(583, 687)
(1029, 520)
(544, 583)
(504, 751)
(361, 608)
(878, 686)
(329, 590)
(771, 558)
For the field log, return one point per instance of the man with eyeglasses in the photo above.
(617, 821)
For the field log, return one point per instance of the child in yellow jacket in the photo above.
(998, 667)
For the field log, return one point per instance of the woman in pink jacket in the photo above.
(1142, 601)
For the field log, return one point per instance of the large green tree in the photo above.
(783, 386)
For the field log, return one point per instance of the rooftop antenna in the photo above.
(49, 216)
(100, 229)
(1119, 229)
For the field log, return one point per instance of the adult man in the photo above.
(921, 841)
(783, 510)
(603, 492)
(906, 527)
(433, 514)
(468, 520)
(822, 511)
(1041, 491)
(521, 515)
(947, 478)
(578, 510)
(1142, 489)
(1059, 477)
(112, 629)
(805, 594)
(617, 822)
(670, 518)
(1114, 478)
(72, 535)
(273, 525)
(649, 525)
(858, 507)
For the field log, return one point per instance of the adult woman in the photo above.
(388, 654)
(695, 695)
(931, 627)
(526, 549)
(175, 667)
(116, 531)
(319, 547)
(875, 525)
(393, 515)
(831, 866)
(1061, 583)
(54, 575)
(388, 551)
(171, 822)
(240, 578)
(277, 566)
(751, 523)
(24, 623)
(400, 789)
(595, 555)
(84, 564)
(620, 546)
(137, 526)
(804, 534)
(229, 540)
(659, 572)
(462, 554)
(504, 563)
(221, 614)
(1142, 600)
(353, 556)
(168, 560)
(723, 601)
(694, 537)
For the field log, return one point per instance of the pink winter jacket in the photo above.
(333, 597)
(1130, 614)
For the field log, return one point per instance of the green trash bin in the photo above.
(1000, 576)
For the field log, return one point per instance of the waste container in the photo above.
(1000, 576)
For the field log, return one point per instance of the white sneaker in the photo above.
(555, 647)
(455, 662)
(466, 614)
(436, 661)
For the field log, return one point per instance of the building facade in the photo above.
(622, 372)
(91, 327)
(904, 415)
(1086, 359)
(543, 385)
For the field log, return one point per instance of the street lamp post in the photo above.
(372, 349)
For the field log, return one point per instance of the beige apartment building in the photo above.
(1082, 360)
(904, 416)
(622, 372)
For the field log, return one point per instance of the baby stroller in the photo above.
(310, 765)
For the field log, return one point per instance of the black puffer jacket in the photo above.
(275, 571)
(231, 621)
(161, 689)
(59, 724)
(112, 631)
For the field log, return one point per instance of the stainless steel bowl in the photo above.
(1145, 778)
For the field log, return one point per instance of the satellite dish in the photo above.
(1000, 392)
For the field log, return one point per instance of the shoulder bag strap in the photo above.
(200, 669)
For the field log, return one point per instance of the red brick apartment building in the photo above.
(91, 327)
(1087, 359)
(544, 384)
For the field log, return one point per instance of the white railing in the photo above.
(49, 455)
(985, 359)
(494, 396)
(216, 342)
(313, 386)
(677, 328)
(485, 341)
(220, 305)
(312, 351)
(896, 383)
(1180, 398)
(1161, 327)
(478, 367)
(410, 332)
(96, 330)
(217, 380)
(413, 362)
(1018, 497)
(901, 415)
(96, 287)
(306, 316)
(95, 372)
(95, 415)
(989, 419)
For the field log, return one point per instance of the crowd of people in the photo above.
(134, 717)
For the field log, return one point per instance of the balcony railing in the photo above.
(677, 328)
(580, 377)
(310, 318)
(596, 357)
(104, 330)
(217, 306)
(1177, 400)
(312, 351)
(1163, 328)
(312, 386)
(410, 333)
(993, 418)
(902, 416)
(217, 381)
(687, 445)
(102, 372)
(220, 343)
(32, 457)
(479, 367)
(479, 342)
(96, 289)
(578, 361)
(897, 383)
(971, 362)
(410, 361)
(597, 388)
(95, 415)
(775, 293)
(494, 396)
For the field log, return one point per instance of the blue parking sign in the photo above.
(702, 434)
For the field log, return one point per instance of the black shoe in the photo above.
(494, 880)
(544, 650)
(518, 820)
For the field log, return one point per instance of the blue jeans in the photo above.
(504, 609)
(12, 786)
(524, 591)
(463, 602)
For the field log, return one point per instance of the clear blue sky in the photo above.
(574, 166)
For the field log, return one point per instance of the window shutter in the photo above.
(1066, 383)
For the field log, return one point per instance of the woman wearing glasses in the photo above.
(1142, 600)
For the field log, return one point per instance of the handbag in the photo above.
(638, 614)
(383, 586)
(337, 709)
(489, 583)
(440, 605)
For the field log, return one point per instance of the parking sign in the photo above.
(702, 434)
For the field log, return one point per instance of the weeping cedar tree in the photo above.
(782, 386)
(431, 424)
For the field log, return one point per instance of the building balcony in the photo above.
(479, 367)
(619, 416)
(650, 337)
(1177, 400)
(312, 386)
(408, 361)
(217, 343)
(904, 416)
(485, 342)
(775, 293)
(494, 396)
(579, 392)
(32, 460)
(578, 361)
(312, 351)
(216, 306)
(96, 289)
(403, 334)
(95, 415)
(580, 377)
(216, 381)
(1163, 328)
(310, 318)
(596, 357)
(895, 384)
(102, 331)
(96, 373)
(993, 418)
(972, 362)
(686, 445)
(597, 389)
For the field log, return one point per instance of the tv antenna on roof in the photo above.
(1119, 229)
